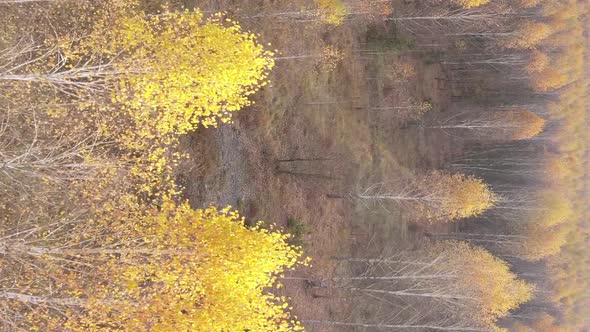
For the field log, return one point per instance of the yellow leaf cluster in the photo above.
(529, 35)
(470, 3)
(179, 70)
(331, 11)
(486, 280)
(164, 76)
(204, 270)
(523, 123)
(457, 196)
(538, 62)
(554, 209)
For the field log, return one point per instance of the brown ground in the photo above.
(307, 112)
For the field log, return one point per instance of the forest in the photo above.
(291, 165)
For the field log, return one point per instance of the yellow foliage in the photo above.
(470, 3)
(542, 241)
(538, 62)
(529, 35)
(549, 79)
(556, 167)
(331, 11)
(457, 196)
(485, 280)
(331, 57)
(553, 210)
(524, 124)
(372, 9)
(528, 3)
(207, 272)
(400, 71)
(181, 70)
(165, 75)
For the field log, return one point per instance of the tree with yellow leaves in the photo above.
(436, 197)
(372, 9)
(537, 62)
(536, 242)
(164, 74)
(470, 3)
(179, 69)
(177, 269)
(528, 3)
(143, 80)
(331, 11)
(542, 323)
(465, 281)
(512, 124)
(549, 79)
(553, 209)
(557, 167)
(528, 35)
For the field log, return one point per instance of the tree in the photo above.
(539, 242)
(176, 72)
(546, 323)
(372, 9)
(470, 3)
(529, 3)
(180, 70)
(436, 196)
(554, 209)
(557, 167)
(542, 323)
(410, 110)
(549, 79)
(141, 81)
(513, 124)
(179, 268)
(538, 62)
(476, 296)
(528, 35)
(331, 11)
(30, 156)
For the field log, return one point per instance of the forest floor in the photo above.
(309, 112)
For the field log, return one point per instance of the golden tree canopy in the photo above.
(557, 167)
(529, 35)
(548, 79)
(520, 123)
(178, 69)
(331, 11)
(457, 196)
(486, 280)
(208, 272)
(554, 209)
(470, 3)
(541, 241)
(538, 62)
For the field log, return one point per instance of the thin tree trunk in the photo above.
(404, 293)
(33, 299)
(393, 326)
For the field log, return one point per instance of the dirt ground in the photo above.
(324, 117)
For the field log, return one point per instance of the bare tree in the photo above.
(29, 156)
(21, 63)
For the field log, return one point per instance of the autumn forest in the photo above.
(274, 165)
